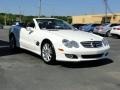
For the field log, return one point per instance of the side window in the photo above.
(43, 25)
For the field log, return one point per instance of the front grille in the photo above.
(92, 44)
(92, 56)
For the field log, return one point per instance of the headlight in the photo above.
(105, 42)
(70, 44)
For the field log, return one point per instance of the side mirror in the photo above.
(31, 29)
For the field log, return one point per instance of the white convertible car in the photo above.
(55, 40)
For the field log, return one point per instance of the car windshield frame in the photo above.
(53, 24)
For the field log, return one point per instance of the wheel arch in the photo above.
(44, 41)
(10, 35)
(53, 60)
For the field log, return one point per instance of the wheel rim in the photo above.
(47, 52)
(12, 43)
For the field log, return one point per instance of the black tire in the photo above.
(108, 34)
(12, 43)
(48, 53)
(115, 36)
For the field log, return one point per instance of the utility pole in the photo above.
(106, 16)
(5, 19)
(20, 12)
(40, 8)
(20, 16)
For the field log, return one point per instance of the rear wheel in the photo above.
(12, 42)
(115, 36)
(48, 53)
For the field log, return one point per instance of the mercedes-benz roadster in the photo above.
(56, 40)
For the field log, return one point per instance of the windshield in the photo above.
(54, 24)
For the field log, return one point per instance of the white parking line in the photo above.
(4, 46)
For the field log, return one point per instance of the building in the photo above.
(98, 18)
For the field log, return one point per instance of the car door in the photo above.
(33, 39)
(24, 43)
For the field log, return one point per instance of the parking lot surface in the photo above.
(24, 70)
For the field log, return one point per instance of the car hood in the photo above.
(76, 35)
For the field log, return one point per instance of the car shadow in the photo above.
(5, 50)
(4, 43)
(30, 53)
(83, 64)
(87, 64)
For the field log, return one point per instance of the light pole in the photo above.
(20, 14)
(20, 11)
(5, 19)
(106, 18)
(40, 8)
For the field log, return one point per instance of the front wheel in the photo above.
(108, 34)
(48, 53)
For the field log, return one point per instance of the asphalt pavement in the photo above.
(24, 70)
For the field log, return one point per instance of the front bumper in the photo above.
(83, 54)
(116, 32)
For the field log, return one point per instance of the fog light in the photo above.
(71, 56)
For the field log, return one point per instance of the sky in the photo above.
(58, 7)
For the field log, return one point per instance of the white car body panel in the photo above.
(115, 31)
(27, 39)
